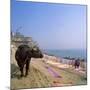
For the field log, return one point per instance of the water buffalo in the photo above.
(23, 56)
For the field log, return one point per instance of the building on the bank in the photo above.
(18, 39)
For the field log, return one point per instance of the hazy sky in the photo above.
(53, 26)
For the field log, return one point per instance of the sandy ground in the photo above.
(46, 73)
(60, 65)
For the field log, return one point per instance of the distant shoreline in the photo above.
(66, 58)
(68, 54)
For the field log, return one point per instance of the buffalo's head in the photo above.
(36, 53)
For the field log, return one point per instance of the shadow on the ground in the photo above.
(14, 71)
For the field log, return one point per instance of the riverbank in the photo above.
(46, 72)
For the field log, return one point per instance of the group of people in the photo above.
(76, 63)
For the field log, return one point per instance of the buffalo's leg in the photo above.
(77, 66)
(27, 67)
(21, 66)
(21, 69)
